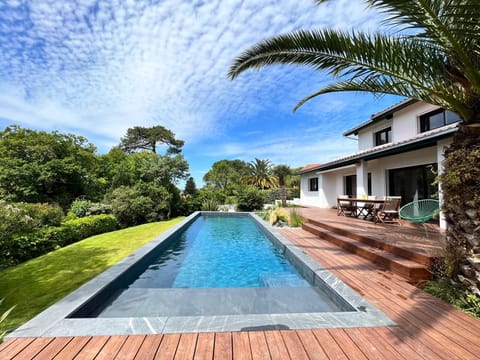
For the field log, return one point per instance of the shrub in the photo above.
(23, 218)
(458, 296)
(89, 226)
(82, 208)
(139, 204)
(21, 247)
(99, 209)
(271, 195)
(293, 193)
(189, 205)
(45, 214)
(211, 194)
(278, 215)
(249, 199)
(79, 208)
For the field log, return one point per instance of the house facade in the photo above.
(400, 152)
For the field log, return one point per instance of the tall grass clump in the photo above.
(210, 205)
(296, 220)
(3, 331)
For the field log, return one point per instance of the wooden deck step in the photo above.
(391, 248)
(410, 270)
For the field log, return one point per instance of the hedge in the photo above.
(21, 247)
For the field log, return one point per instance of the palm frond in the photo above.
(437, 58)
(337, 52)
(351, 55)
(452, 25)
(387, 85)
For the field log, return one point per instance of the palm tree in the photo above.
(281, 172)
(432, 54)
(260, 174)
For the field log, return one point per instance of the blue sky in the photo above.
(96, 68)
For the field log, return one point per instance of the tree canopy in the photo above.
(141, 138)
(36, 166)
(190, 187)
(260, 174)
(225, 173)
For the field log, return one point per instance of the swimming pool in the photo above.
(212, 272)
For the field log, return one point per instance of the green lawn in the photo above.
(35, 285)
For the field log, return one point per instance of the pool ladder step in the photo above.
(408, 269)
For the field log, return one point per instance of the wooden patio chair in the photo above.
(420, 211)
(367, 209)
(388, 211)
(345, 207)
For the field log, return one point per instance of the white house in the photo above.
(400, 151)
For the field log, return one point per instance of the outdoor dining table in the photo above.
(361, 207)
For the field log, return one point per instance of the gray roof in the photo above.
(384, 114)
(425, 139)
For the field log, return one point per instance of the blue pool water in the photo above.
(220, 252)
(217, 265)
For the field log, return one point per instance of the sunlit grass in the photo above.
(35, 285)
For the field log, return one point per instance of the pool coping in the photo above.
(54, 320)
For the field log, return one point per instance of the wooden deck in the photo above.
(427, 327)
(408, 236)
(404, 249)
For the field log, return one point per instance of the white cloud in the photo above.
(103, 66)
(295, 150)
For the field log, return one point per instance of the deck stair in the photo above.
(408, 264)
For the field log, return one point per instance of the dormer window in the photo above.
(383, 136)
(437, 118)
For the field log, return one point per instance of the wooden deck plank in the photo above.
(95, 345)
(410, 348)
(414, 328)
(7, 343)
(205, 346)
(149, 347)
(168, 347)
(386, 347)
(258, 345)
(33, 348)
(73, 348)
(372, 346)
(329, 345)
(53, 348)
(276, 345)
(14, 347)
(223, 346)
(444, 324)
(130, 347)
(241, 346)
(186, 347)
(311, 346)
(351, 350)
(294, 345)
(111, 348)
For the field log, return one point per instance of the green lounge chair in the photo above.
(420, 211)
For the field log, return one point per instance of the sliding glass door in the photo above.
(413, 183)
